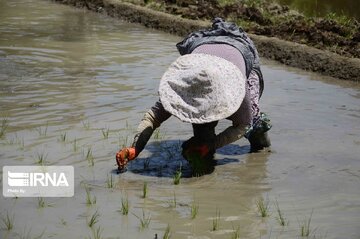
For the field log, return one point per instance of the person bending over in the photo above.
(217, 77)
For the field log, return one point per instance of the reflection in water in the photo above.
(316, 8)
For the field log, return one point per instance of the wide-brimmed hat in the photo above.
(201, 88)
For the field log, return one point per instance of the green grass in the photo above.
(167, 233)
(124, 206)
(94, 219)
(144, 220)
(90, 200)
(216, 220)
(3, 127)
(110, 181)
(145, 190)
(105, 133)
(339, 18)
(263, 207)
(8, 222)
(280, 215)
(194, 210)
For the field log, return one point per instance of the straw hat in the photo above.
(201, 88)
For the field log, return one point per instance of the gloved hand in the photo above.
(124, 156)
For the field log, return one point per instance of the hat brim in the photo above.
(202, 88)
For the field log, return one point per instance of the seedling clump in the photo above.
(263, 207)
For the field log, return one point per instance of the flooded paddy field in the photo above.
(73, 87)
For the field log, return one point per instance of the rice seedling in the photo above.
(110, 181)
(144, 220)
(280, 215)
(62, 137)
(8, 222)
(26, 234)
(41, 202)
(305, 229)
(236, 233)
(10, 142)
(105, 133)
(94, 219)
(40, 158)
(123, 141)
(177, 176)
(42, 131)
(89, 157)
(145, 190)
(157, 135)
(194, 210)
(86, 124)
(3, 127)
(16, 140)
(173, 202)
(89, 199)
(167, 233)
(21, 142)
(263, 207)
(124, 206)
(96, 233)
(63, 222)
(75, 146)
(216, 220)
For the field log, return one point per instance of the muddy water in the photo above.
(67, 77)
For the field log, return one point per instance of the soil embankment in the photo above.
(286, 52)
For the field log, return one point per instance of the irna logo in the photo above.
(38, 181)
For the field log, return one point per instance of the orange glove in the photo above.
(124, 156)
